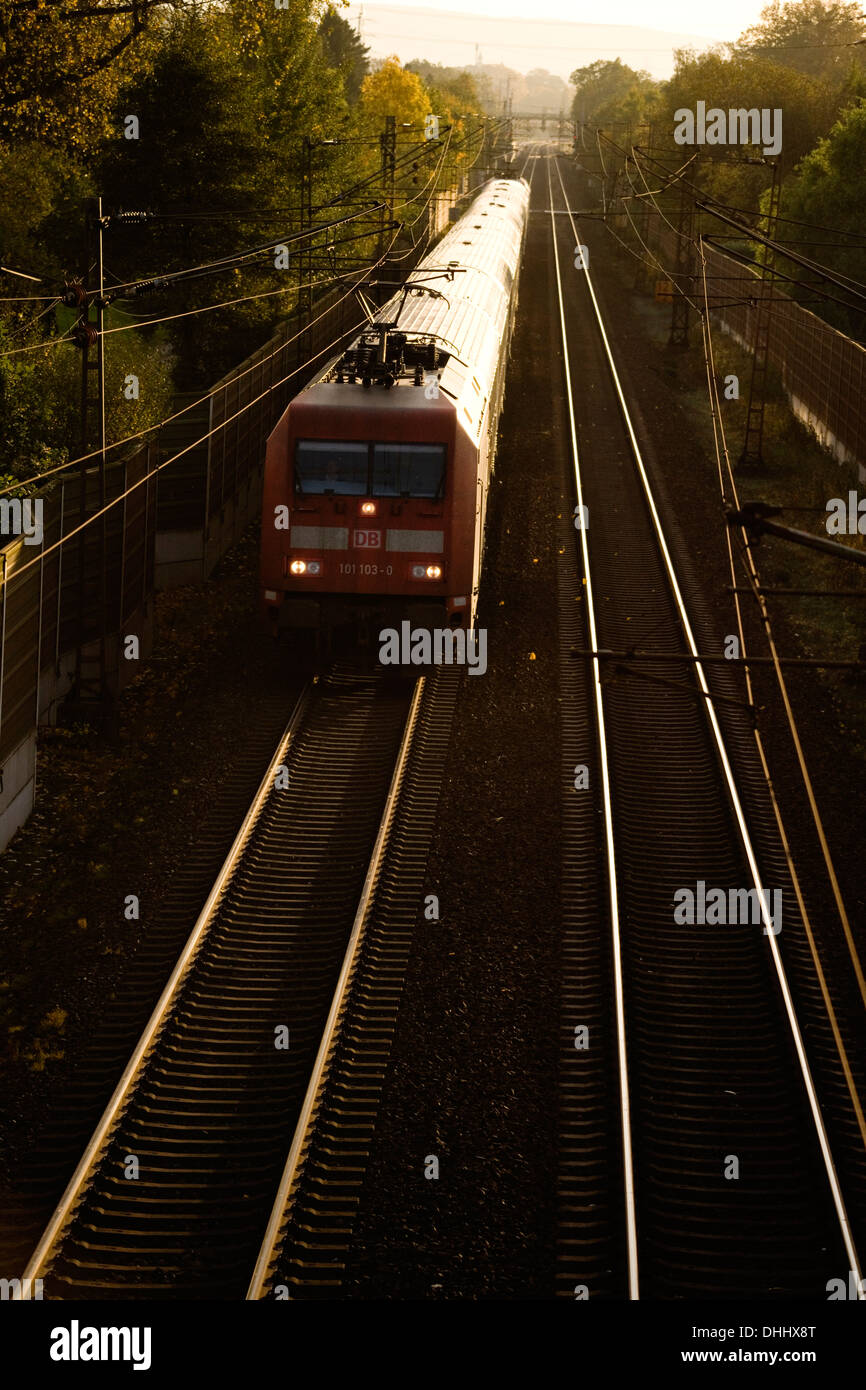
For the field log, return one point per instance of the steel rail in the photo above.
(79, 1180)
(612, 883)
(321, 1066)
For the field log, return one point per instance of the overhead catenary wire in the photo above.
(72, 463)
(36, 347)
(754, 582)
(715, 208)
(236, 260)
(845, 282)
(149, 429)
(233, 260)
(69, 464)
(746, 840)
(776, 274)
(172, 277)
(225, 304)
(799, 222)
(37, 559)
(748, 232)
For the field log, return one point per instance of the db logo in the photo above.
(368, 540)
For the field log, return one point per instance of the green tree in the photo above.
(195, 160)
(344, 51)
(603, 84)
(41, 218)
(808, 107)
(545, 91)
(815, 37)
(827, 188)
(60, 70)
(40, 398)
(222, 167)
(456, 87)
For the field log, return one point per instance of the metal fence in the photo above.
(823, 371)
(39, 612)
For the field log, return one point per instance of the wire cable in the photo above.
(15, 574)
(140, 434)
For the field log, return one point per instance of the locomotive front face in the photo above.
(364, 499)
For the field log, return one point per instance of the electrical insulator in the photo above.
(74, 295)
(147, 286)
(131, 217)
(85, 336)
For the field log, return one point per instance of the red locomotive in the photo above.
(377, 474)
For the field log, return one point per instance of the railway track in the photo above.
(695, 1155)
(173, 1193)
(135, 991)
(306, 1249)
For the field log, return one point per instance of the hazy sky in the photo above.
(720, 21)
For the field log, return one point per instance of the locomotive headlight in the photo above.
(298, 567)
(314, 567)
(425, 571)
(368, 508)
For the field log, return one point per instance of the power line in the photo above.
(159, 467)
(171, 277)
(235, 260)
(267, 294)
(68, 464)
(845, 282)
(232, 261)
(228, 303)
(128, 439)
(777, 274)
(750, 233)
(35, 347)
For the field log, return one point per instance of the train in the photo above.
(378, 472)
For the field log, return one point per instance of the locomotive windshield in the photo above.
(408, 470)
(335, 466)
(348, 469)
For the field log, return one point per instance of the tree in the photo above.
(455, 86)
(40, 395)
(603, 84)
(815, 37)
(213, 164)
(545, 91)
(60, 69)
(41, 199)
(345, 52)
(394, 91)
(827, 188)
(808, 106)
